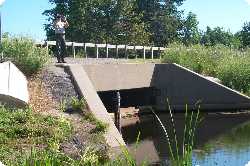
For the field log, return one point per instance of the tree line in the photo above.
(138, 22)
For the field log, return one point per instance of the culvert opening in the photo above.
(129, 98)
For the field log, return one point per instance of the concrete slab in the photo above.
(13, 86)
(85, 88)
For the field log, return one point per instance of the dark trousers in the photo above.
(60, 47)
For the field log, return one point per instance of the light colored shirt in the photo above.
(59, 27)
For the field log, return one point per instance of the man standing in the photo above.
(59, 25)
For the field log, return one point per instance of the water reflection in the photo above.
(222, 139)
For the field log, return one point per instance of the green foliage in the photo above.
(22, 129)
(213, 37)
(244, 35)
(234, 72)
(25, 54)
(99, 125)
(78, 104)
(191, 34)
(196, 57)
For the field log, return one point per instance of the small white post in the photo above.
(159, 49)
(135, 52)
(107, 51)
(85, 50)
(144, 53)
(117, 56)
(97, 51)
(73, 50)
(152, 53)
(126, 53)
(47, 45)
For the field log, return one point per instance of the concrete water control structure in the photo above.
(149, 84)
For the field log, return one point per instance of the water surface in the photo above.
(222, 139)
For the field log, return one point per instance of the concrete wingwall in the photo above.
(174, 82)
(13, 85)
(183, 86)
(87, 90)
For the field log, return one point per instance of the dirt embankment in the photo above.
(51, 91)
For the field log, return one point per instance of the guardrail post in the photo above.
(73, 50)
(85, 50)
(159, 49)
(135, 52)
(107, 51)
(117, 56)
(47, 45)
(152, 53)
(126, 52)
(144, 53)
(97, 51)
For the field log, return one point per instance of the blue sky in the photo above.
(229, 14)
(24, 17)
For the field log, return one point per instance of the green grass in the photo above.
(25, 54)
(21, 130)
(229, 65)
(99, 125)
(78, 104)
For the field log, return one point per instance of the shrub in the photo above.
(234, 72)
(196, 57)
(25, 54)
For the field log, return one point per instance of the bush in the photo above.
(234, 72)
(25, 54)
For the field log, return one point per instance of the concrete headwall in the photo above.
(180, 85)
(120, 76)
(13, 85)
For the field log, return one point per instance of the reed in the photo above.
(191, 122)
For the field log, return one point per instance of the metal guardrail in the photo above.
(145, 49)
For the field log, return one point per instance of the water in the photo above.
(222, 139)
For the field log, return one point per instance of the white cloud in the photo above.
(248, 2)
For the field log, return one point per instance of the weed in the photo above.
(78, 104)
(63, 105)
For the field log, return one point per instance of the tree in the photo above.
(245, 35)
(101, 21)
(162, 18)
(217, 36)
(191, 34)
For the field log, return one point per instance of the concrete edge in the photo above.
(85, 89)
(12, 101)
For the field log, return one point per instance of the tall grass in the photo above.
(191, 120)
(25, 54)
(229, 65)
